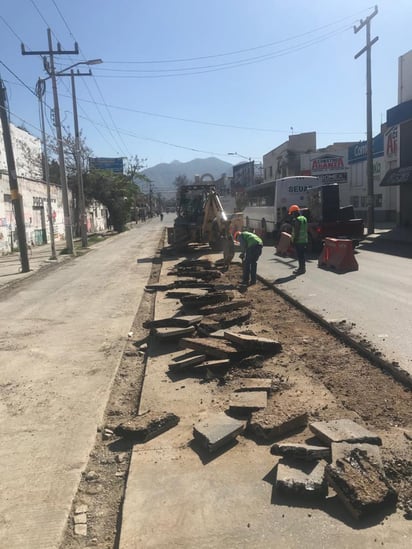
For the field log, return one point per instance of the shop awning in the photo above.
(397, 176)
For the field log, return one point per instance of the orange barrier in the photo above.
(337, 254)
(284, 246)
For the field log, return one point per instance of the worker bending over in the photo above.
(299, 237)
(250, 250)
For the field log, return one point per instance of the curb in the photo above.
(390, 367)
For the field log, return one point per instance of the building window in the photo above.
(363, 201)
(354, 200)
(270, 171)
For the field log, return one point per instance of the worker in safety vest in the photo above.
(250, 250)
(299, 237)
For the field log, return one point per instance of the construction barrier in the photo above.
(337, 254)
(284, 246)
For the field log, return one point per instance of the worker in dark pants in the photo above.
(299, 237)
(250, 251)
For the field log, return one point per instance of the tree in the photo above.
(115, 191)
(181, 180)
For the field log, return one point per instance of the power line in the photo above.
(97, 86)
(203, 122)
(245, 50)
(189, 71)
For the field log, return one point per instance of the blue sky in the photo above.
(184, 79)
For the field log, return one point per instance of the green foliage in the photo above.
(181, 180)
(117, 192)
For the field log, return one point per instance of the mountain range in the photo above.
(163, 175)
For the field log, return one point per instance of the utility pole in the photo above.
(369, 147)
(82, 204)
(40, 88)
(16, 198)
(49, 66)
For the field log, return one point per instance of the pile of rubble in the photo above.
(343, 456)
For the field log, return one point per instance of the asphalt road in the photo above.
(62, 337)
(374, 301)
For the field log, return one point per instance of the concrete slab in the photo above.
(306, 452)
(269, 425)
(253, 384)
(187, 362)
(343, 430)
(296, 481)
(247, 402)
(342, 450)
(361, 485)
(215, 348)
(217, 431)
(253, 343)
(147, 426)
(173, 333)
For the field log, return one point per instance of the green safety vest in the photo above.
(250, 239)
(300, 230)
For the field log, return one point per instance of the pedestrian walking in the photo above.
(250, 251)
(299, 237)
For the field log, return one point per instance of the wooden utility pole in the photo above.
(369, 147)
(16, 197)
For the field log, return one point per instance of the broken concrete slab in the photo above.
(178, 294)
(215, 348)
(305, 452)
(223, 362)
(216, 322)
(253, 384)
(187, 362)
(247, 402)
(296, 481)
(361, 485)
(341, 450)
(173, 333)
(174, 322)
(269, 425)
(225, 307)
(147, 426)
(158, 287)
(208, 274)
(343, 430)
(217, 431)
(210, 298)
(204, 263)
(254, 344)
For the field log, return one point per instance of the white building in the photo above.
(32, 188)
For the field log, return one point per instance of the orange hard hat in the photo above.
(293, 208)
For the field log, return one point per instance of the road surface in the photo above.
(61, 341)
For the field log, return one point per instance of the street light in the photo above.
(83, 220)
(82, 203)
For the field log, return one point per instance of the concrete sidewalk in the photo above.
(39, 257)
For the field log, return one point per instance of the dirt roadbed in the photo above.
(315, 375)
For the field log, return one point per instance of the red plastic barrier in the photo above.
(337, 254)
(284, 245)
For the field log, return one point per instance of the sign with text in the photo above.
(114, 165)
(391, 144)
